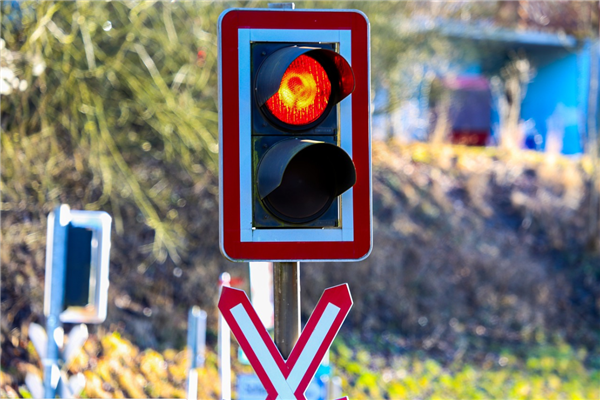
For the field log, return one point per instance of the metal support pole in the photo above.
(197, 336)
(55, 274)
(286, 293)
(196, 345)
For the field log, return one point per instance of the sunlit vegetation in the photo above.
(115, 368)
(542, 371)
(113, 94)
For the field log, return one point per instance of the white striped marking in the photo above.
(312, 346)
(262, 352)
(285, 387)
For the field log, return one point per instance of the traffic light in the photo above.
(77, 280)
(299, 169)
(294, 135)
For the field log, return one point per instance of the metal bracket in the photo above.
(286, 6)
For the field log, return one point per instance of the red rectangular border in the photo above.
(231, 245)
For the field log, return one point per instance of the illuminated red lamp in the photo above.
(303, 94)
(297, 86)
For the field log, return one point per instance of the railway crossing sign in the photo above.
(287, 379)
(294, 135)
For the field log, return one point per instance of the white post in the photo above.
(192, 384)
(261, 291)
(224, 346)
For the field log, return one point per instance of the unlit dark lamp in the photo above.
(299, 179)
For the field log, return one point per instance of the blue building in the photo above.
(554, 105)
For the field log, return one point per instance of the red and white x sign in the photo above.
(286, 379)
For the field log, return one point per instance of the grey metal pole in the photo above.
(286, 293)
(196, 336)
(196, 343)
(55, 265)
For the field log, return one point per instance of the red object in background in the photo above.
(470, 109)
(201, 58)
(236, 282)
(469, 137)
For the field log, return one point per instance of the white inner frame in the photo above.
(248, 233)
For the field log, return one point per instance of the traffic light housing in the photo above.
(77, 280)
(299, 169)
(294, 135)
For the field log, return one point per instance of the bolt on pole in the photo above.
(286, 293)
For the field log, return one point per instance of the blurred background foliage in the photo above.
(113, 106)
(104, 87)
(109, 87)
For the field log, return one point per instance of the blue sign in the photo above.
(249, 386)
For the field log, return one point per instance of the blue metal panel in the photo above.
(552, 101)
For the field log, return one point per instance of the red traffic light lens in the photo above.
(303, 93)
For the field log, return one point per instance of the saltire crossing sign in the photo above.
(286, 379)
